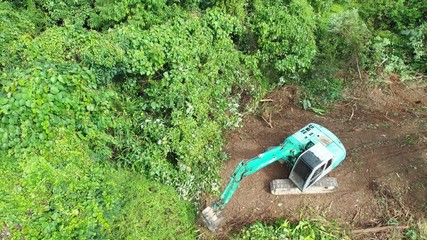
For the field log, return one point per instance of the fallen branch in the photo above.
(266, 100)
(377, 229)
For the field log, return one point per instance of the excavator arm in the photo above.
(287, 151)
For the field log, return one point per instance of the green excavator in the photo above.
(312, 152)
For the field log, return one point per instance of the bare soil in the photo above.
(382, 181)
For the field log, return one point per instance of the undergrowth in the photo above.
(283, 229)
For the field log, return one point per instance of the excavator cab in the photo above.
(312, 165)
(324, 153)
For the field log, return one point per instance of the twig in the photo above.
(358, 69)
(344, 104)
(266, 100)
(377, 229)
(419, 76)
(355, 215)
(354, 98)
(382, 63)
(352, 113)
(269, 124)
(391, 120)
(330, 205)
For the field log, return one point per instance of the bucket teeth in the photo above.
(212, 218)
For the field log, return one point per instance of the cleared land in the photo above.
(383, 180)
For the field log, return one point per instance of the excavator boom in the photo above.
(288, 151)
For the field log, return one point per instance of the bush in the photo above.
(348, 34)
(107, 14)
(394, 15)
(15, 27)
(56, 190)
(341, 38)
(184, 75)
(318, 94)
(399, 29)
(285, 35)
(64, 11)
(35, 100)
(417, 43)
(155, 100)
(61, 121)
(151, 211)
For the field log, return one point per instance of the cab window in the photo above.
(328, 164)
(316, 174)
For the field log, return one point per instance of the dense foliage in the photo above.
(285, 33)
(61, 193)
(112, 112)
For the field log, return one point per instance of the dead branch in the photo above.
(377, 229)
(266, 100)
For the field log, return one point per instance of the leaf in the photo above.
(21, 82)
(318, 110)
(90, 107)
(45, 124)
(3, 101)
(50, 97)
(54, 90)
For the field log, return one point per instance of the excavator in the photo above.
(312, 152)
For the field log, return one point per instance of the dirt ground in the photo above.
(382, 181)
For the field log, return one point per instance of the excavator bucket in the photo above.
(212, 218)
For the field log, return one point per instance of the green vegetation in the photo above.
(284, 230)
(285, 35)
(112, 112)
(61, 193)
